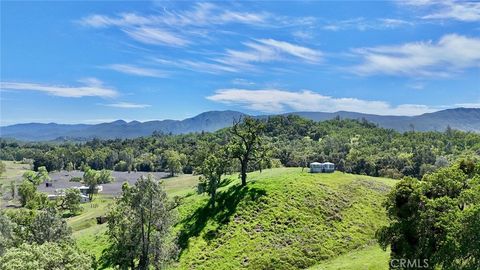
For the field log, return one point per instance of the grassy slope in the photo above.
(370, 258)
(283, 219)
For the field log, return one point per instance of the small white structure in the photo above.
(84, 189)
(52, 197)
(327, 167)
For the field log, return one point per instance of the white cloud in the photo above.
(452, 53)
(136, 70)
(243, 82)
(155, 36)
(468, 105)
(267, 50)
(127, 105)
(467, 11)
(173, 28)
(304, 53)
(90, 87)
(257, 51)
(202, 14)
(275, 101)
(363, 24)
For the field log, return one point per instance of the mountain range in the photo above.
(466, 119)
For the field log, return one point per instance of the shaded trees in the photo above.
(435, 219)
(175, 161)
(212, 169)
(139, 226)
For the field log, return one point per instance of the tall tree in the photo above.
(90, 178)
(139, 226)
(212, 169)
(247, 143)
(175, 161)
(70, 201)
(38, 177)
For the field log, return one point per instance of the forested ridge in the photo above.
(355, 146)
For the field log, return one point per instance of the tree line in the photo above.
(355, 146)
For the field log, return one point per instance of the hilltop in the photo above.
(283, 219)
(460, 118)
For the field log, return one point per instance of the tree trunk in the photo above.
(212, 200)
(244, 173)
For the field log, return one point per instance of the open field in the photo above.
(14, 171)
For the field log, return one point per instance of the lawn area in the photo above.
(14, 171)
(180, 185)
(369, 258)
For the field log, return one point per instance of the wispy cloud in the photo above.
(258, 51)
(452, 53)
(127, 105)
(467, 11)
(363, 24)
(155, 36)
(468, 105)
(90, 87)
(243, 82)
(268, 50)
(173, 28)
(276, 101)
(202, 14)
(136, 70)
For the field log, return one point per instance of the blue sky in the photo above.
(77, 62)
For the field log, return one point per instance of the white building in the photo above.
(316, 167)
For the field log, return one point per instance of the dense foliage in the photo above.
(436, 220)
(38, 239)
(139, 226)
(354, 146)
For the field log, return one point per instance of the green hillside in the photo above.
(283, 219)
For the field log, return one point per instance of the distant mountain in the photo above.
(466, 119)
(207, 121)
(460, 118)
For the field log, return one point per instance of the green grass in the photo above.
(98, 207)
(369, 258)
(283, 219)
(14, 171)
(180, 185)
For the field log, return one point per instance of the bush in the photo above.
(47, 256)
(76, 179)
